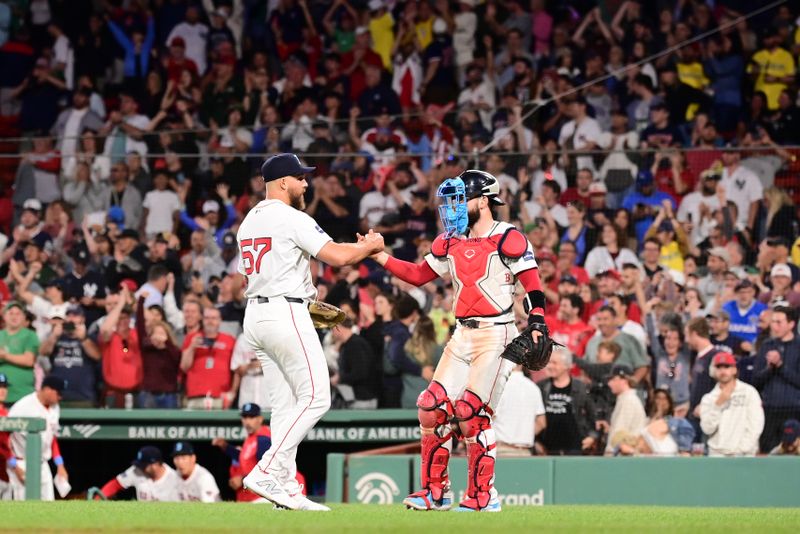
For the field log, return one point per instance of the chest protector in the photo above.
(482, 279)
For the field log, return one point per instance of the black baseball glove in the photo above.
(532, 354)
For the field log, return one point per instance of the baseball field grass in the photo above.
(82, 516)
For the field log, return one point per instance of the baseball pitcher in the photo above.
(485, 259)
(276, 241)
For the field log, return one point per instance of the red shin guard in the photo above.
(435, 411)
(476, 425)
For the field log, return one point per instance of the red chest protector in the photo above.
(478, 267)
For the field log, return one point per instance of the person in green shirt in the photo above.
(18, 348)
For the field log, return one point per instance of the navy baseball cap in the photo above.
(54, 382)
(3, 380)
(281, 165)
(621, 371)
(147, 455)
(791, 431)
(182, 447)
(644, 178)
(250, 409)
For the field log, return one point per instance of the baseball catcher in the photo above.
(485, 258)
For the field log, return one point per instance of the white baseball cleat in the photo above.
(267, 486)
(304, 503)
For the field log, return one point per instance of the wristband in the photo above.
(59, 461)
(12, 462)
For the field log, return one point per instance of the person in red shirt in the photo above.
(5, 449)
(567, 327)
(579, 193)
(565, 263)
(355, 61)
(121, 358)
(245, 458)
(177, 61)
(206, 360)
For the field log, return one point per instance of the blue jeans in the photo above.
(146, 399)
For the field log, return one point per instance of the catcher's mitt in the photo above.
(325, 315)
(532, 354)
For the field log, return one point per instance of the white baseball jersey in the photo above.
(200, 486)
(165, 489)
(29, 406)
(484, 282)
(275, 244)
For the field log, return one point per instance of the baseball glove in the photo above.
(532, 354)
(325, 315)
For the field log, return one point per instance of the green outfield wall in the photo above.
(773, 481)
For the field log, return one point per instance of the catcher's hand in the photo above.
(325, 315)
(531, 348)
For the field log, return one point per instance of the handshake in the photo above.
(373, 241)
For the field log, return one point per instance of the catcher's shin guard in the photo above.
(435, 412)
(475, 420)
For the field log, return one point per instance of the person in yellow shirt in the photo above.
(773, 68)
(424, 25)
(673, 239)
(381, 29)
(690, 70)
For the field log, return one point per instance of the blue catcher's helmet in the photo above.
(453, 208)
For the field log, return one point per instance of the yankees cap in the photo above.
(281, 165)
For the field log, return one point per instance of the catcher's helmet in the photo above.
(481, 184)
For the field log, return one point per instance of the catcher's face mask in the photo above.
(453, 208)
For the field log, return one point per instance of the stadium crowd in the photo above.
(660, 202)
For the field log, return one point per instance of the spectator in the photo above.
(777, 375)
(73, 122)
(206, 360)
(569, 414)
(124, 195)
(790, 439)
(712, 283)
(160, 361)
(19, 347)
(121, 354)
(632, 355)
(5, 450)
(422, 353)
(722, 339)
(125, 129)
(581, 133)
(772, 66)
(85, 284)
(567, 327)
(731, 414)
(780, 276)
(743, 187)
(194, 35)
(397, 332)
(610, 253)
(521, 415)
(628, 415)
(250, 382)
(744, 311)
(161, 207)
(72, 356)
(155, 286)
(358, 369)
(645, 203)
(698, 338)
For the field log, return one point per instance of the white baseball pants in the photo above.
(282, 332)
(18, 487)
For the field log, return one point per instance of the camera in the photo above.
(69, 327)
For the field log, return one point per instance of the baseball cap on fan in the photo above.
(282, 165)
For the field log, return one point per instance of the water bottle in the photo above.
(208, 402)
(129, 401)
